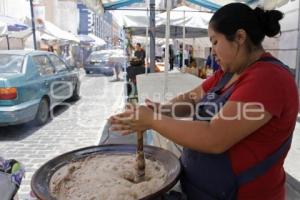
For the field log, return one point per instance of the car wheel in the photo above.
(87, 72)
(42, 115)
(76, 93)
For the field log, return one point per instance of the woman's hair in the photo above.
(257, 22)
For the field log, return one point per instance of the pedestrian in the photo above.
(186, 56)
(171, 57)
(117, 67)
(180, 56)
(244, 115)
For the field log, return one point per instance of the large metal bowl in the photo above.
(41, 178)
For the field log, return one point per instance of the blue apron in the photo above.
(210, 176)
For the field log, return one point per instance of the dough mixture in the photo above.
(106, 177)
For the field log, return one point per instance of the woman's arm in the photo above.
(233, 123)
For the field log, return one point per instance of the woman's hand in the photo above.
(137, 118)
(153, 105)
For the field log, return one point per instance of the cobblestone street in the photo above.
(74, 125)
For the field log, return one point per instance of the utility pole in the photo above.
(7, 41)
(33, 25)
(152, 35)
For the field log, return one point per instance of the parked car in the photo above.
(32, 83)
(98, 61)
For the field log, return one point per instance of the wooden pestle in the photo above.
(140, 159)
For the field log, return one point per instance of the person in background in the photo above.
(244, 118)
(211, 63)
(190, 51)
(50, 48)
(117, 67)
(186, 56)
(171, 56)
(179, 56)
(139, 53)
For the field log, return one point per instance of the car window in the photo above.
(43, 65)
(11, 63)
(58, 64)
(99, 57)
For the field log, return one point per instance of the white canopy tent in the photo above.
(196, 22)
(55, 32)
(132, 18)
(186, 16)
(97, 41)
(48, 37)
(266, 4)
(12, 33)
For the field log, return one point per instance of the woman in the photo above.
(244, 118)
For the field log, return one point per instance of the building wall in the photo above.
(50, 11)
(100, 24)
(85, 19)
(62, 13)
(14, 8)
(107, 28)
(67, 17)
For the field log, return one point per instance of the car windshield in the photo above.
(99, 57)
(11, 63)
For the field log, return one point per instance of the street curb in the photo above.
(292, 188)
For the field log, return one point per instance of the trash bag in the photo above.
(11, 174)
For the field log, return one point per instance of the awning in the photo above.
(195, 23)
(132, 18)
(12, 23)
(216, 4)
(13, 28)
(91, 39)
(20, 34)
(47, 37)
(115, 4)
(186, 16)
(85, 39)
(54, 31)
(97, 41)
(99, 6)
(213, 5)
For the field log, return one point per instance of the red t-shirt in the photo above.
(275, 88)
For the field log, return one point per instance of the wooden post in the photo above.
(140, 159)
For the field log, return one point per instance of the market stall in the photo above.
(12, 33)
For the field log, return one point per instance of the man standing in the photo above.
(139, 53)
